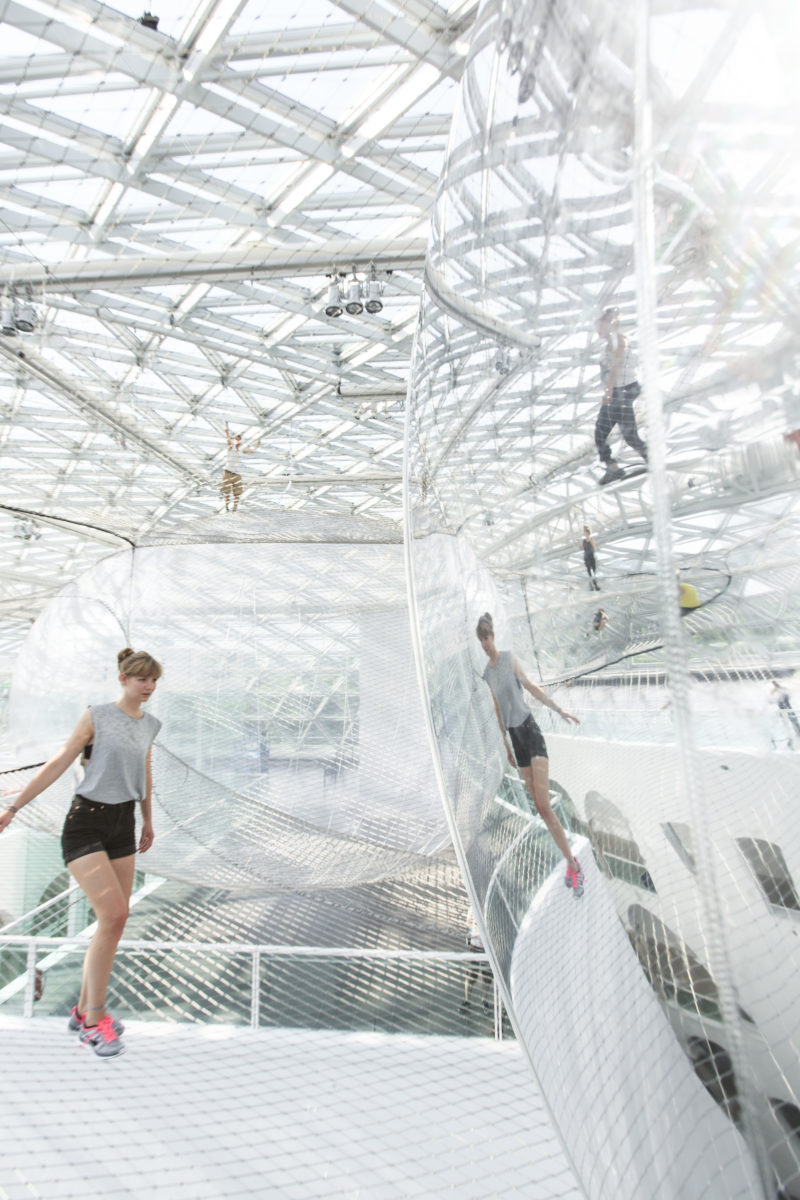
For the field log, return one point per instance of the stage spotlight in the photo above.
(334, 306)
(25, 317)
(374, 289)
(354, 305)
(503, 362)
(8, 316)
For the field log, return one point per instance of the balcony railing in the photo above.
(260, 985)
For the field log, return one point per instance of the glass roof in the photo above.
(174, 202)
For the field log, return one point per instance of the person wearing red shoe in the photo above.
(99, 836)
(527, 751)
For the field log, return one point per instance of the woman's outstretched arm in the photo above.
(53, 769)
(542, 696)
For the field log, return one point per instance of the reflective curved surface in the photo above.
(660, 1010)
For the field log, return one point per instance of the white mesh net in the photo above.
(657, 1010)
(303, 882)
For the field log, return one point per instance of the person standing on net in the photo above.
(784, 702)
(589, 561)
(99, 836)
(620, 389)
(476, 971)
(232, 485)
(506, 679)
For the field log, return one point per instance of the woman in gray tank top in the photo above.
(506, 680)
(99, 837)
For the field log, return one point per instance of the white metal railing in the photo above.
(61, 946)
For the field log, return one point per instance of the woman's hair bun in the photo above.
(123, 654)
(485, 624)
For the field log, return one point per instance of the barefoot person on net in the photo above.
(506, 680)
(232, 485)
(620, 389)
(99, 836)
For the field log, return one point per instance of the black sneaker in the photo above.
(613, 472)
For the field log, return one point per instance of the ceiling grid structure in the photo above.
(174, 202)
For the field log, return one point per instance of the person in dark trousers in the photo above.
(784, 703)
(620, 389)
(589, 561)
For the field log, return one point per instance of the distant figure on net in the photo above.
(784, 703)
(99, 837)
(232, 475)
(476, 971)
(506, 680)
(588, 547)
(599, 621)
(620, 389)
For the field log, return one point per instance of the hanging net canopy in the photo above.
(602, 158)
(289, 757)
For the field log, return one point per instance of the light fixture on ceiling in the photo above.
(360, 295)
(17, 316)
(334, 306)
(374, 303)
(26, 318)
(354, 305)
(8, 313)
(503, 362)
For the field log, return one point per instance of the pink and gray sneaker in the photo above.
(75, 1022)
(102, 1038)
(574, 879)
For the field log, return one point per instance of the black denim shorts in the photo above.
(91, 826)
(528, 742)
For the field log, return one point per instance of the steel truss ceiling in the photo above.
(174, 200)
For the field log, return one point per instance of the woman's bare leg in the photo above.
(537, 781)
(107, 885)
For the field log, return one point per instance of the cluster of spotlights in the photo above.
(359, 295)
(17, 315)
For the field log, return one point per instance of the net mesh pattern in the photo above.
(303, 882)
(656, 1009)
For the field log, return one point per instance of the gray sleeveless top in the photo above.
(116, 770)
(507, 690)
